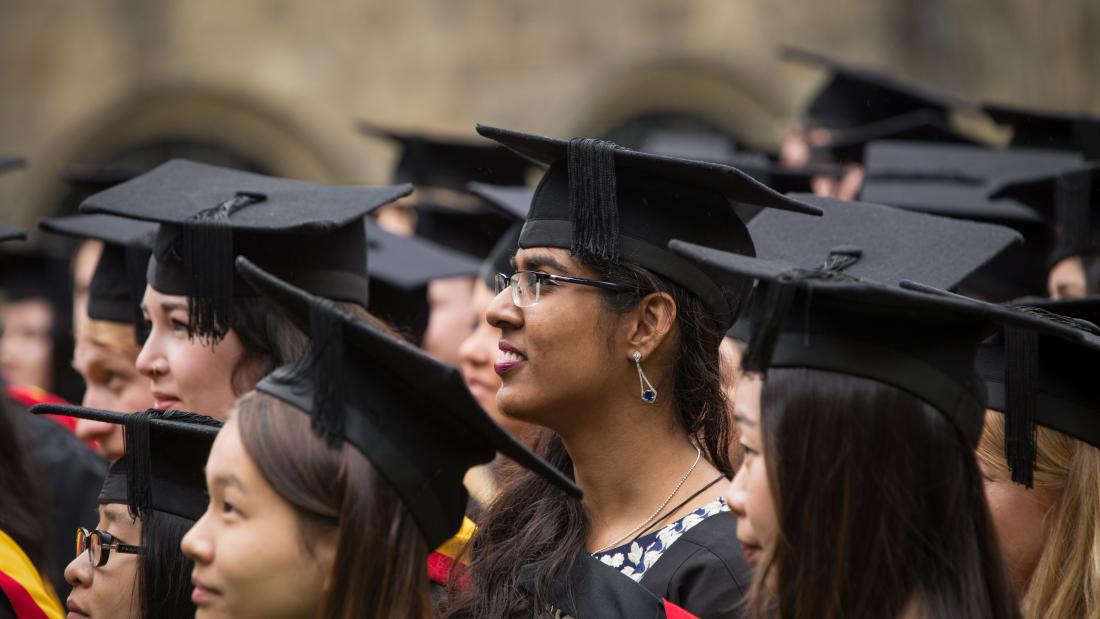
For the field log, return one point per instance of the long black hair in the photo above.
(880, 506)
(164, 572)
(532, 521)
(24, 505)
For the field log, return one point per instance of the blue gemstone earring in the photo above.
(649, 392)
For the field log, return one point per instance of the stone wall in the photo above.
(280, 83)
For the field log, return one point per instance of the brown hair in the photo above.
(1066, 581)
(380, 568)
(879, 505)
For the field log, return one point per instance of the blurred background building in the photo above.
(277, 85)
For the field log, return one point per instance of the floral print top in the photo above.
(637, 556)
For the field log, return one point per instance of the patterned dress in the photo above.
(635, 557)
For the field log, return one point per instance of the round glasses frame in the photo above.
(526, 285)
(99, 544)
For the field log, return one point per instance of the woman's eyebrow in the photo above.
(168, 307)
(744, 420)
(539, 262)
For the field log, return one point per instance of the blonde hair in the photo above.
(1066, 581)
(114, 336)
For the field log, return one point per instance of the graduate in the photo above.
(1040, 456)
(353, 461)
(129, 564)
(872, 386)
(210, 336)
(610, 343)
(110, 331)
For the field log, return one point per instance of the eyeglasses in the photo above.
(526, 285)
(99, 544)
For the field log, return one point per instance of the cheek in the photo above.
(136, 396)
(267, 573)
(759, 505)
(1018, 519)
(203, 375)
(113, 590)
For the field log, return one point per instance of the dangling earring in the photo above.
(649, 392)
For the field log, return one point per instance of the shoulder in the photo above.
(705, 570)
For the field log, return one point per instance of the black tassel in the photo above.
(593, 201)
(1072, 201)
(139, 476)
(767, 322)
(208, 259)
(327, 361)
(1021, 384)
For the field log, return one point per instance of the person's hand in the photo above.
(1066, 279)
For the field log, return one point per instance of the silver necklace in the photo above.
(680, 484)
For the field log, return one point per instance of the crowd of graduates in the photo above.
(543, 377)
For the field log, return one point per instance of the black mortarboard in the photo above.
(311, 234)
(1058, 385)
(1040, 129)
(516, 203)
(956, 181)
(820, 315)
(449, 163)
(410, 415)
(588, 588)
(922, 125)
(165, 462)
(401, 267)
(606, 203)
(118, 282)
(1071, 199)
(11, 234)
(893, 244)
(716, 148)
(39, 273)
(857, 96)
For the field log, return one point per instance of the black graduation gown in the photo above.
(704, 571)
(588, 588)
(72, 476)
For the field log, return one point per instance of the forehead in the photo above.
(153, 299)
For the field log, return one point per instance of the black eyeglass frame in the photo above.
(503, 282)
(107, 543)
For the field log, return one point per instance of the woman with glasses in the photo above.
(610, 342)
(332, 482)
(131, 565)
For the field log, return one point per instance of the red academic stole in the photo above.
(445, 559)
(29, 595)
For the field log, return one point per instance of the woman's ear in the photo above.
(653, 320)
(324, 554)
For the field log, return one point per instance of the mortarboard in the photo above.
(1058, 392)
(311, 234)
(515, 202)
(922, 125)
(11, 163)
(11, 234)
(1069, 199)
(856, 96)
(1041, 129)
(819, 314)
(410, 415)
(606, 203)
(7, 233)
(118, 282)
(401, 267)
(164, 466)
(956, 181)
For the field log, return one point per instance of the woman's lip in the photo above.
(751, 552)
(164, 401)
(201, 595)
(501, 366)
(504, 346)
(74, 609)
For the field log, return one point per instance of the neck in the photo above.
(628, 461)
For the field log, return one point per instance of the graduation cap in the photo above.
(857, 97)
(410, 415)
(401, 267)
(956, 181)
(1040, 129)
(311, 234)
(449, 163)
(11, 234)
(516, 203)
(589, 588)
(826, 313)
(923, 125)
(118, 283)
(719, 149)
(607, 204)
(1070, 199)
(164, 466)
(1057, 388)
